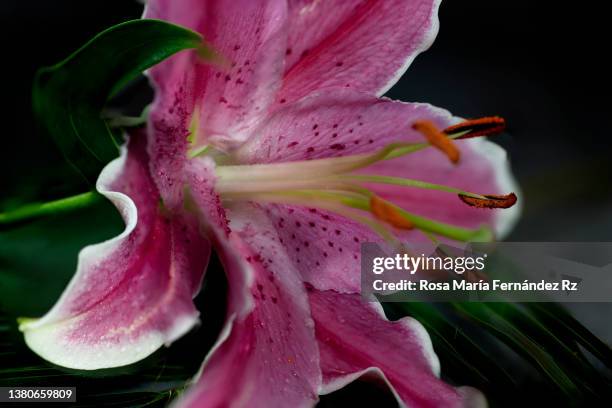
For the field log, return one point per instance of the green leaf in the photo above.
(38, 258)
(564, 324)
(514, 353)
(486, 316)
(69, 97)
(563, 348)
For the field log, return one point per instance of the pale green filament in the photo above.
(408, 183)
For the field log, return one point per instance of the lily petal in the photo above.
(324, 247)
(249, 38)
(356, 339)
(131, 294)
(337, 123)
(364, 45)
(267, 354)
(218, 100)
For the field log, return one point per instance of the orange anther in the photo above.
(491, 201)
(387, 213)
(487, 126)
(437, 139)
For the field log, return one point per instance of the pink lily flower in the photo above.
(284, 158)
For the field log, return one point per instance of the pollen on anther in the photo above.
(437, 139)
(487, 126)
(387, 213)
(490, 201)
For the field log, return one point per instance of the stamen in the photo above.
(330, 184)
(437, 139)
(487, 126)
(482, 234)
(490, 201)
(387, 213)
(342, 202)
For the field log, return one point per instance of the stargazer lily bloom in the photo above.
(284, 158)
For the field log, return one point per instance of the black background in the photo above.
(543, 65)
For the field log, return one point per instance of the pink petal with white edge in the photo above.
(356, 339)
(364, 45)
(228, 95)
(131, 294)
(267, 355)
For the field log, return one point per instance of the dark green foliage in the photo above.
(68, 97)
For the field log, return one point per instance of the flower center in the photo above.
(332, 184)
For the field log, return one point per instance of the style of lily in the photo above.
(284, 158)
